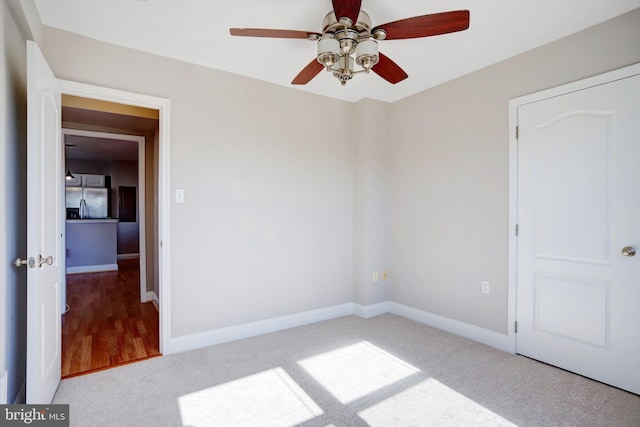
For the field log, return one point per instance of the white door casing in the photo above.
(44, 233)
(578, 198)
(164, 197)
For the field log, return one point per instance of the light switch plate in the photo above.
(485, 287)
(179, 195)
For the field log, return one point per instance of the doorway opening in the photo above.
(112, 256)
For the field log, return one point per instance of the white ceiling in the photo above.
(197, 31)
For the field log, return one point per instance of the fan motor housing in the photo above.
(362, 26)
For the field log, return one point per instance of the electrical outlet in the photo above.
(385, 275)
(485, 287)
(375, 277)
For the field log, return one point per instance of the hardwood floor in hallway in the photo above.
(106, 324)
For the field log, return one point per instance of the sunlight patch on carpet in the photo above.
(433, 401)
(352, 372)
(270, 395)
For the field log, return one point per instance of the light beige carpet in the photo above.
(384, 371)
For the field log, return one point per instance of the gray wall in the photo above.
(371, 202)
(449, 172)
(266, 229)
(12, 199)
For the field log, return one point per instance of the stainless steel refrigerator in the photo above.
(92, 202)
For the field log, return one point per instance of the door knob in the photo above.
(31, 262)
(628, 251)
(48, 260)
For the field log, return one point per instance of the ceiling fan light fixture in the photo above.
(345, 70)
(367, 54)
(328, 52)
(348, 43)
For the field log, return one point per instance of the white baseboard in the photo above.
(476, 333)
(233, 333)
(151, 296)
(92, 268)
(368, 311)
(128, 256)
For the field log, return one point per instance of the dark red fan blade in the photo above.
(265, 32)
(389, 70)
(308, 73)
(427, 25)
(347, 8)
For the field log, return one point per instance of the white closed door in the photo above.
(578, 283)
(44, 229)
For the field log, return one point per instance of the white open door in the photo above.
(44, 233)
(578, 297)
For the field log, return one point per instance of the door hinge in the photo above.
(515, 327)
(517, 132)
(517, 229)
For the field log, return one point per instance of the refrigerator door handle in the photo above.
(83, 208)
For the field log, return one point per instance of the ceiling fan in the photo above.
(348, 38)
